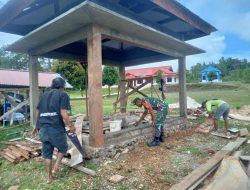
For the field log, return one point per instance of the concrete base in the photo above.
(131, 134)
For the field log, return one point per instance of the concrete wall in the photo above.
(125, 137)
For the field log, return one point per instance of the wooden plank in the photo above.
(14, 109)
(229, 176)
(131, 92)
(232, 146)
(190, 181)
(76, 156)
(25, 147)
(245, 158)
(25, 154)
(239, 117)
(96, 138)
(221, 135)
(33, 140)
(85, 170)
(7, 157)
(16, 154)
(138, 91)
(79, 167)
(9, 154)
(10, 99)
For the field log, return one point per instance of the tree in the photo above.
(246, 75)
(9, 60)
(159, 77)
(211, 76)
(110, 76)
(20, 61)
(72, 71)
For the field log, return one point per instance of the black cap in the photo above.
(58, 83)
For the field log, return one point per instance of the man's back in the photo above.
(156, 103)
(49, 107)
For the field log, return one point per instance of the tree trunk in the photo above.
(109, 90)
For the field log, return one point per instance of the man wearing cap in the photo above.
(52, 112)
(158, 110)
(217, 108)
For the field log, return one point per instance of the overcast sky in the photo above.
(230, 17)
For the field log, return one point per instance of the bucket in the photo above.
(115, 125)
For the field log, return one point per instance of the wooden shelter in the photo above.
(116, 32)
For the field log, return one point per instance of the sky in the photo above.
(230, 17)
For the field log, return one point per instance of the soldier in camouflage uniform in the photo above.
(158, 110)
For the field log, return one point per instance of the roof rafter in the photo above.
(12, 9)
(183, 13)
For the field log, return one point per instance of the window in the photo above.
(169, 79)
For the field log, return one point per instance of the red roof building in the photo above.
(139, 74)
(20, 79)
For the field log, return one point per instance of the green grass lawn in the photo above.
(236, 98)
(236, 94)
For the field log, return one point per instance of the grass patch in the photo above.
(169, 178)
(15, 132)
(194, 151)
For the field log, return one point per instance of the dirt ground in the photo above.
(244, 110)
(161, 167)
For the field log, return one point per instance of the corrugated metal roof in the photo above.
(149, 72)
(21, 78)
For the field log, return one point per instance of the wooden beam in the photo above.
(131, 92)
(94, 41)
(12, 9)
(34, 90)
(190, 181)
(182, 87)
(14, 109)
(122, 89)
(184, 14)
(150, 45)
(138, 91)
(10, 99)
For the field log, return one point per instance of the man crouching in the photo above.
(158, 110)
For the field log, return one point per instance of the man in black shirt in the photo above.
(52, 112)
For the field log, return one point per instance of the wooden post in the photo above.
(34, 90)
(122, 90)
(96, 138)
(182, 87)
(13, 114)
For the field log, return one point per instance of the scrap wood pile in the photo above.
(225, 170)
(18, 151)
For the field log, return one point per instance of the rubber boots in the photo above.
(162, 137)
(155, 142)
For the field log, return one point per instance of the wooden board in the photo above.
(239, 117)
(229, 176)
(76, 156)
(190, 181)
